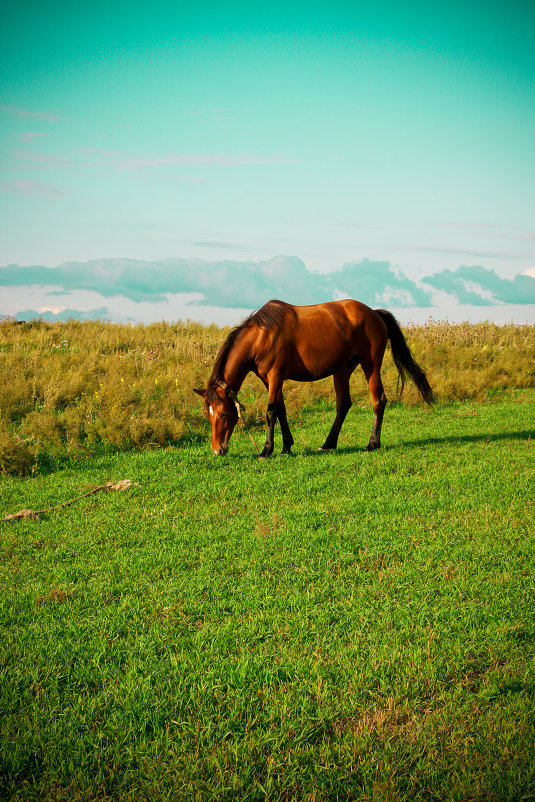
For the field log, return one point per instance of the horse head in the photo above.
(222, 409)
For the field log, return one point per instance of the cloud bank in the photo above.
(229, 284)
(235, 285)
(483, 287)
(65, 314)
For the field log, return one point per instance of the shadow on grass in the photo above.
(103, 458)
(311, 451)
(454, 439)
(476, 438)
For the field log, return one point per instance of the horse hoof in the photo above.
(323, 450)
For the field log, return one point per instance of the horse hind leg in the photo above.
(343, 405)
(287, 439)
(271, 420)
(379, 403)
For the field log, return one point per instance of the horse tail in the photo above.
(403, 358)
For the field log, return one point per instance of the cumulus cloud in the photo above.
(483, 287)
(53, 316)
(235, 284)
(228, 284)
(378, 283)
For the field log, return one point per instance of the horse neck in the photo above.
(238, 363)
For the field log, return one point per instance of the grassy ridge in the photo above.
(69, 389)
(338, 626)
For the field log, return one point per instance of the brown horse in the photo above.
(306, 343)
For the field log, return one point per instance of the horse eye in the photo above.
(223, 416)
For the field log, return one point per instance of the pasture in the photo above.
(331, 626)
(72, 389)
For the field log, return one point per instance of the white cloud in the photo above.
(33, 188)
(45, 160)
(201, 159)
(139, 161)
(494, 231)
(28, 136)
(175, 288)
(16, 111)
(476, 288)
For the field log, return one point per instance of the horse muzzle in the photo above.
(221, 451)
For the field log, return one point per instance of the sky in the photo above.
(167, 160)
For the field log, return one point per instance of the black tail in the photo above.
(403, 358)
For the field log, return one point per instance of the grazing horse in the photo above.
(306, 343)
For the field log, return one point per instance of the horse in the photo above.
(306, 343)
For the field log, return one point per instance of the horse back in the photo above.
(311, 342)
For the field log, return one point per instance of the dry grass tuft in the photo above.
(54, 595)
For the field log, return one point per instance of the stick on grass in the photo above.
(124, 484)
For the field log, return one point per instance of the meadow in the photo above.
(73, 389)
(347, 625)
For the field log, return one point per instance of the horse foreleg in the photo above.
(343, 405)
(379, 403)
(275, 398)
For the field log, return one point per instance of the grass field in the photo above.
(316, 627)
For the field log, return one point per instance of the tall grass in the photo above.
(68, 389)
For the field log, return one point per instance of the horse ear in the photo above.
(202, 393)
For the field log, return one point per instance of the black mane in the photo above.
(270, 316)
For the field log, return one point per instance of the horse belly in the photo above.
(319, 360)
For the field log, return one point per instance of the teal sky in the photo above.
(331, 132)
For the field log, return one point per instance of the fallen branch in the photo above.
(124, 484)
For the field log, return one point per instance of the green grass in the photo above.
(327, 626)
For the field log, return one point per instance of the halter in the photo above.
(233, 397)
